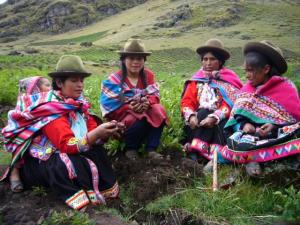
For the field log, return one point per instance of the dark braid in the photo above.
(143, 77)
(123, 77)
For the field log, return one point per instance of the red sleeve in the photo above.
(190, 97)
(118, 113)
(91, 123)
(60, 134)
(153, 99)
(225, 108)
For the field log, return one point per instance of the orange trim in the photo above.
(112, 192)
(78, 200)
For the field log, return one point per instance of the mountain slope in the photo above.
(166, 24)
(27, 16)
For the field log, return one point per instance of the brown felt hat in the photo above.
(272, 52)
(69, 65)
(134, 47)
(214, 45)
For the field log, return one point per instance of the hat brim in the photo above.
(134, 53)
(275, 57)
(68, 73)
(204, 49)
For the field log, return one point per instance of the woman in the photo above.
(131, 96)
(265, 117)
(28, 88)
(60, 141)
(207, 100)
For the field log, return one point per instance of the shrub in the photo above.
(290, 204)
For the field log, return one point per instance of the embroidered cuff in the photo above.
(187, 113)
(214, 116)
(83, 144)
(218, 114)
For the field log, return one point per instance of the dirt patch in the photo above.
(142, 181)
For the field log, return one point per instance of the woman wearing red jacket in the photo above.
(131, 96)
(61, 141)
(207, 100)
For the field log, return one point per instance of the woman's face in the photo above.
(258, 76)
(72, 87)
(134, 64)
(210, 62)
(44, 85)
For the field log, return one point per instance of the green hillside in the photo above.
(172, 30)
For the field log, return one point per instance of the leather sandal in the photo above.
(131, 154)
(16, 186)
(155, 155)
(253, 169)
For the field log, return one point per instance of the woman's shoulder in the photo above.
(149, 72)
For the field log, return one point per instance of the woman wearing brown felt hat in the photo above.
(207, 100)
(266, 115)
(61, 141)
(131, 96)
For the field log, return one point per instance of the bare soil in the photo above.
(142, 180)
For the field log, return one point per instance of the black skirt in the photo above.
(79, 190)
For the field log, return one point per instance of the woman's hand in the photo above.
(208, 122)
(265, 129)
(193, 122)
(136, 106)
(145, 103)
(121, 130)
(249, 128)
(107, 130)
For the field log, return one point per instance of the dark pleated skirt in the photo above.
(53, 173)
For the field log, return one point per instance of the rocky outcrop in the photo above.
(173, 18)
(21, 17)
(225, 16)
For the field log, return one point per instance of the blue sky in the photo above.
(2, 1)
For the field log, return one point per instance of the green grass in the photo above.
(68, 218)
(4, 157)
(246, 203)
(83, 38)
(172, 67)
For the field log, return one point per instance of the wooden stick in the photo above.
(215, 171)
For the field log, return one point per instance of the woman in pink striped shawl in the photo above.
(265, 119)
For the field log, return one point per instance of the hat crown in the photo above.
(214, 43)
(134, 45)
(272, 52)
(277, 49)
(70, 63)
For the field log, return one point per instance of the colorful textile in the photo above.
(115, 108)
(225, 80)
(214, 91)
(23, 125)
(223, 74)
(30, 94)
(111, 91)
(244, 148)
(209, 94)
(276, 102)
(78, 200)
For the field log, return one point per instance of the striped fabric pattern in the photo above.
(22, 125)
(111, 91)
